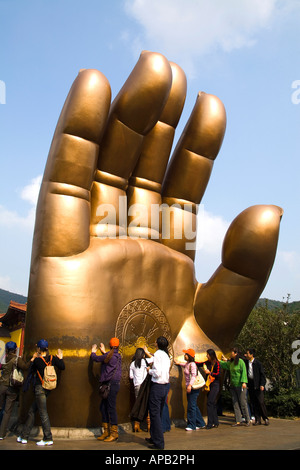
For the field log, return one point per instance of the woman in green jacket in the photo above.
(238, 385)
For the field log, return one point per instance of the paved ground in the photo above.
(279, 435)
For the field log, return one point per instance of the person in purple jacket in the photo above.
(111, 371)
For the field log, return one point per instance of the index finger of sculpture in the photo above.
(62, 222)
(134, 112)
(191, 166)
(198, 147)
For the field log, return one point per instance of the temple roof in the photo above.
(15, 314)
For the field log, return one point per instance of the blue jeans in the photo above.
(40, 405)
(157, 399)
(108, 407)
(194, 416)
(165, 417)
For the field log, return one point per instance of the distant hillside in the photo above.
(276, 304)
(6, 297)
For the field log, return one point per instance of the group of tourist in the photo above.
(150, 374)
(246, 375)
(152, 371)
(9, 392)
(157, 368)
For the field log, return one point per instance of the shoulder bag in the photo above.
(199, 380)
(16, 376)
(209, 380)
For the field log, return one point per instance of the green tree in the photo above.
(271, 333)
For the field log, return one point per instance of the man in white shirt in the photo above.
(160, 373)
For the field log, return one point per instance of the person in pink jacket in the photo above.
(195, 420)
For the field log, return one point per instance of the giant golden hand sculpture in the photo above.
(114, 238)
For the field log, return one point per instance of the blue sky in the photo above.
(244, 51)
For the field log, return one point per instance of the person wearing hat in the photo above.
(111, 372)
(195, 420)
(41, 394)
(9, 393)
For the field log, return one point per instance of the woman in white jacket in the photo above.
(138, 372)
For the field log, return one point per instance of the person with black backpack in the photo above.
(10, 388)
(44, 380)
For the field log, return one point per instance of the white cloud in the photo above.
(185, 30)
(5, 282)
(13, 219)
(16, 238)
(29, 193)
(211, 230)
